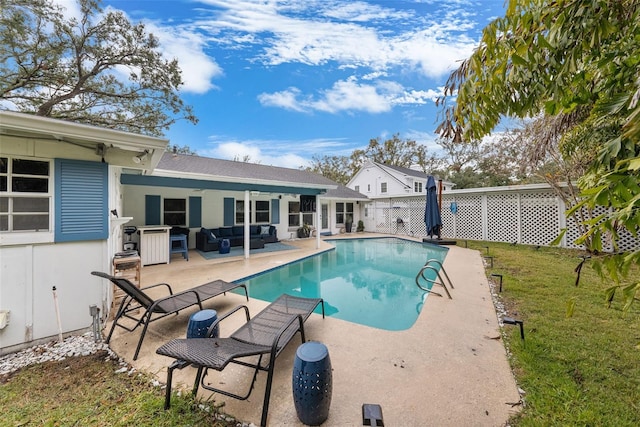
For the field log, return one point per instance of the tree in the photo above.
(177, 149)
(576, 61)
(336, 168)
(393, 151)
(100, 69)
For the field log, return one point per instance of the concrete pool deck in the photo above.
(449, 369)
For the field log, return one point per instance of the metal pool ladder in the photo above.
(429, 266)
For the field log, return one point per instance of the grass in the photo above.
(87, 391)
(582, 370)
(579, 370)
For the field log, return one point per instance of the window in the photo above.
(357, 188)
(294, 214)
(175, 211)
(240, 212)
(383, 187)
(368, 188)
(417, 187)
(297, 218)
(25, 199)
(339, 213)
(262, 211)
(344, 212)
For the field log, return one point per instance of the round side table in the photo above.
(312, 383)
(199, 323)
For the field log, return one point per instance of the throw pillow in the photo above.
(212, 236)
(264, 229)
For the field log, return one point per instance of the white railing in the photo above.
(527, 214)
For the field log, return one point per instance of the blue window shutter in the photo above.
(229, 211)
(152, 210)
(195, 211)
(81, 200)
(275, 211)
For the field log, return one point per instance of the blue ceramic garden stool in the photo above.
(312, 383)
(225, 246)
(200, 322)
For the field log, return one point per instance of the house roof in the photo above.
(118, 146)
(402, 170)
(343, 192)
(210, 169)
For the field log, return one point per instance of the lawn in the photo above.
(93, 391)
(579, 370)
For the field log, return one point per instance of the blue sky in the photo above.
(282, 81)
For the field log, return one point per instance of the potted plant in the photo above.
(348, 223)
(304, 231)
(360, 227)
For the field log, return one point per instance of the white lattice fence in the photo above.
(504, 207)
(532, 217)
(468, 219)
(540, 218)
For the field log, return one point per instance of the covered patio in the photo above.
(450, 368)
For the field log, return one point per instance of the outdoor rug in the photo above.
(239, 250)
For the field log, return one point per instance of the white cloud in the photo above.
(71, 6)
(273, 152)
(238, 151)
(286, 99)
(351, 34)
(350, 95)
(198, 69)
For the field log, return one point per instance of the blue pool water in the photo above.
(365, 281)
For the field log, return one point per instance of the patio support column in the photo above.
(317, 221)
(247, 220)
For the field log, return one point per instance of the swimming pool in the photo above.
(367, 281)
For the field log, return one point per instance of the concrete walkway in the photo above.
(449, 369)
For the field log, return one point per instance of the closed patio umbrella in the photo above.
(432, 210)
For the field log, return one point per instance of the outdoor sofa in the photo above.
(208, 239)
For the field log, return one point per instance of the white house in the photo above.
(66, 190)
(214, 193)
(58, 183)
(378, 181)
(381, 182)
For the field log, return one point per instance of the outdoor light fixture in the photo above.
(142, 157)
(500, 276)
(511, 321)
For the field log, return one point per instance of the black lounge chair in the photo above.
(266, 334)
(136, 300)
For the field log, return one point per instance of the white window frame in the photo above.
(303, 217)
(263, 211)
(342, 211)
(15, 237)
(417, 187)
(383, 188)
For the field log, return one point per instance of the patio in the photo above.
(448, 369)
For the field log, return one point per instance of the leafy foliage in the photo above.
(100, 69)
(565, 59)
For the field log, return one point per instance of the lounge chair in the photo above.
(136, 300)
(266, 334)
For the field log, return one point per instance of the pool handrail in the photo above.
(428, 266)
(437, 261)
